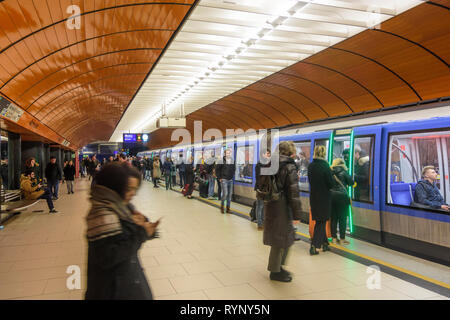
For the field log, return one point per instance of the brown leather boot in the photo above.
(221, 209)
(228, 209)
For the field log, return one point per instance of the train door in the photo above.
(341, 147)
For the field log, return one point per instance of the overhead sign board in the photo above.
(10, 110)
(135, 137)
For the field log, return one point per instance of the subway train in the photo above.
(385, 155)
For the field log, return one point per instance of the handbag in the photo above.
(312, 224)
(349, 200)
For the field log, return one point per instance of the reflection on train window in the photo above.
(162, 158)
(408, 155)
(362, 169)
(244, 164)
(322, 142)
(303, 155)
(4, 160)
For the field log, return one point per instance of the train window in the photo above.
(408, 155)
(198, 155)
(362, 169)
(322, 142)
(4, 160)
(244, 164)
(302, 160)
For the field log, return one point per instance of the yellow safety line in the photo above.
(412, 273)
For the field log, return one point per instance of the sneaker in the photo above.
(55, 198)
(280, 276)
(53, 211)
(336, 241)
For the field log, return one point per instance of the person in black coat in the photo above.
(69, 175)
(321, 182)
(362, 175)
(53, 174)
(340, 200)
(115, 233)
(189, 176)
(279, 214)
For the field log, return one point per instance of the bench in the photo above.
(12, 203)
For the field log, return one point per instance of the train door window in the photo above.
(198, 154)
(322, 142)
(362, 169)
(244, 164)
(302, 159)
(4, 160)
(408, 155)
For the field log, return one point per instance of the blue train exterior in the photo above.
(386, 216)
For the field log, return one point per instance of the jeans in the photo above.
(168, 180)
(182, 179)
(227, 191)
(260, 212)
(69, 184)
(48, 196)
(219, 189)
(211, 184)
(277, 258)
(53, 187)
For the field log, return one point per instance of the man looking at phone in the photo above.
(32, 190)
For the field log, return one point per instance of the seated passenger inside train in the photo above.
(362, 174)
(427, 192)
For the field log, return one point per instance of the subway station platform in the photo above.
(202, 254)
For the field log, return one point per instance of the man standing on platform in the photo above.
(54, 175)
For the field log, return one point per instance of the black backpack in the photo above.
(269, 189)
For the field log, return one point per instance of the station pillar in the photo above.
(36, 150)
(14, 161)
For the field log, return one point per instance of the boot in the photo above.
(325, 247)
(313, 251)
(280, 276)
(228, 209)
(221, 209)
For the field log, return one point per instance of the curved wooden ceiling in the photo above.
(79, 82)
(406, 60)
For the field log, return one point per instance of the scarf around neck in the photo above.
(107, 209)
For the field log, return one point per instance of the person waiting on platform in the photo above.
(279, 213)
(167, 169)
(156, 171)
(54, 175)
(263, 163)
(32, 189)
(69, 174)
(427, 193)
(340, 200)
(189, 176)
(321, 182)
(225, 172)
(115, 233)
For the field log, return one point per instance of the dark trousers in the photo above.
(182, 179)
(277, 258)
(339, 215)
(53, 187)
(155, 181)
(219, 189)
(48, 196)
(320, 234)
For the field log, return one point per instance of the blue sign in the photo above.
(129, 137)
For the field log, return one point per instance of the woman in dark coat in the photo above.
(320, 181)
(278, 215)
(189, 175)
(115, 233)
(69, 175)
(340, 200)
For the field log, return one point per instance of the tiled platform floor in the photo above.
(201, 254)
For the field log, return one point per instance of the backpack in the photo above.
(268, 188)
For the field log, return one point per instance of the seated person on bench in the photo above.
(426, 191)
(31, 190)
